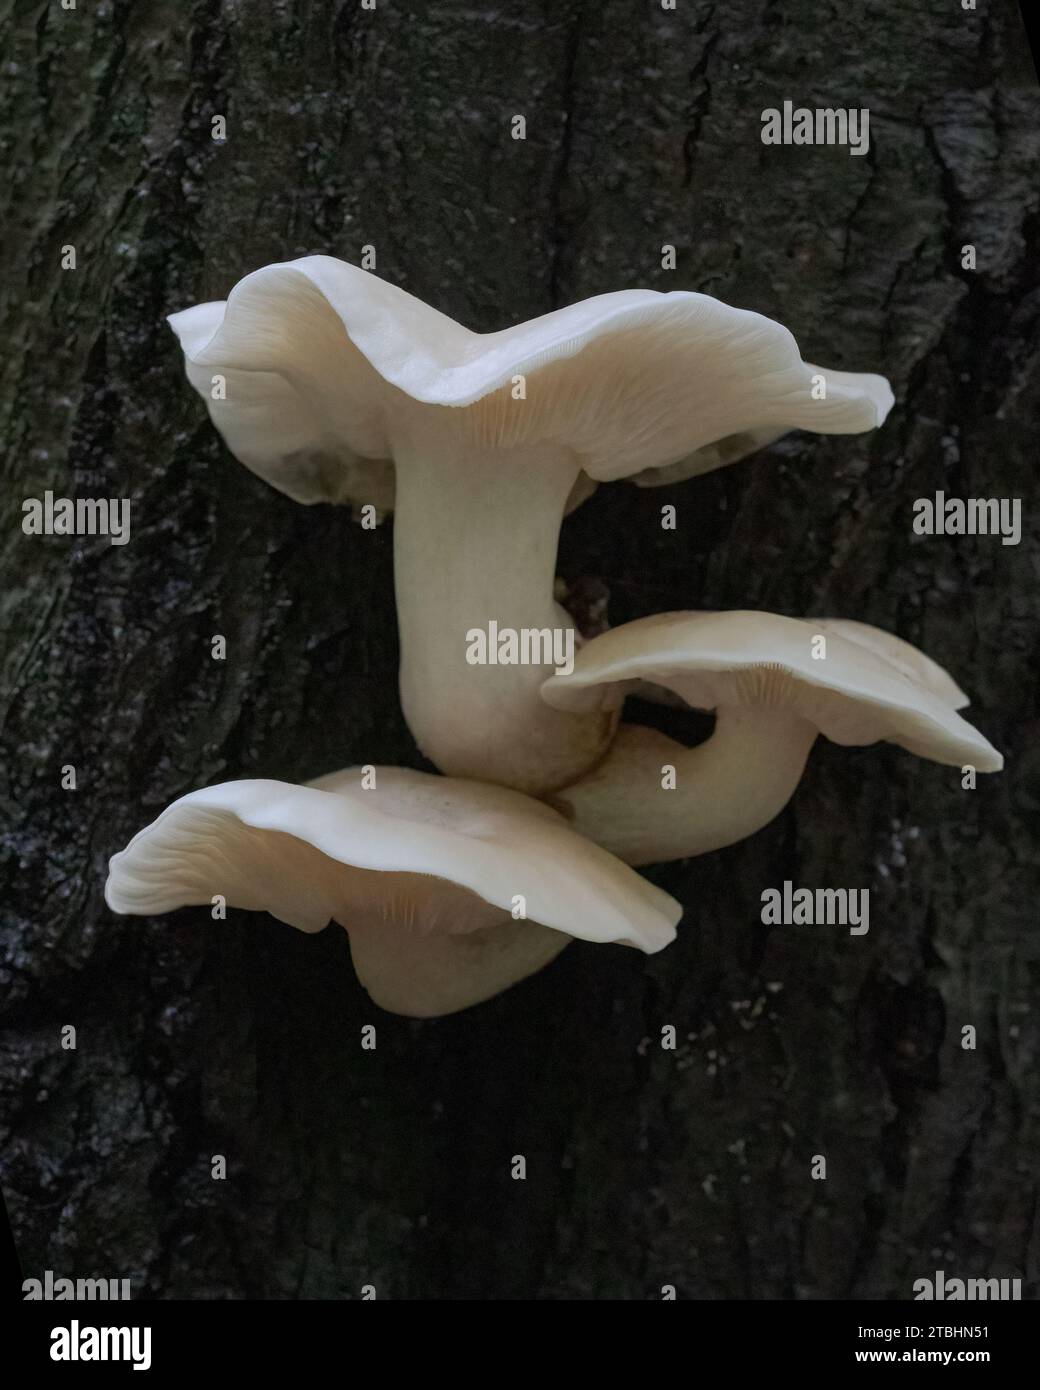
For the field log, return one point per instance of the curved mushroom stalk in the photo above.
(330, 376)
(652, 800)
(774, 687)
(449, 891)
(480, 630)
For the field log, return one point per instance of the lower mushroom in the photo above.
(450, 891)
(774, 686)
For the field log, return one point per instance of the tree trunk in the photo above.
(646, 1166)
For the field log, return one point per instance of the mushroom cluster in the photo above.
(336, 387)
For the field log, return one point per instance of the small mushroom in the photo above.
(429, 876)
(329, 375)
(773, 688)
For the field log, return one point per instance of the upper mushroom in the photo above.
(450, 891)
(330, 375)
(773, 686)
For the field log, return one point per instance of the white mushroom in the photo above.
(330, 375)
(773, 687)
(427, 874)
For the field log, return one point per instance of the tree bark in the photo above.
(646, 1167)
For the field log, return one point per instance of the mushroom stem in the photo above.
(422, 974)
(475, 539)
(725, 789)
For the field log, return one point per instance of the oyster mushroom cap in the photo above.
(424, 872)
(629, 381)
(773, 689)
(906, 658)
(854, 695)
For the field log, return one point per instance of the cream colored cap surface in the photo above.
(333, 850)
(856, 694)
(323, 363)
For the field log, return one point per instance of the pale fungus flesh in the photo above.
(338, 387)
(450, 891)
(774, 688)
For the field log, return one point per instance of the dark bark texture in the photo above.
(645, 1167)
